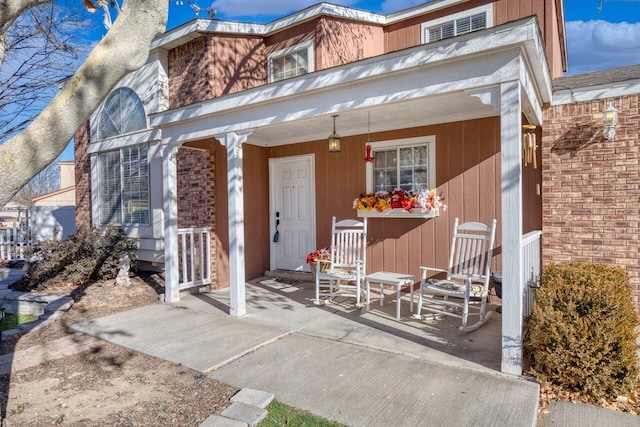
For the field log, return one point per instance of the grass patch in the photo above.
(12, 320)
(284, 415)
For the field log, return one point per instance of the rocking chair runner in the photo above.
(465, 290)
(344, 274)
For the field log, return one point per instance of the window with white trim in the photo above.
(291, 62)
(124, 186)
(407, 164)
(121, 113)
(457, 24)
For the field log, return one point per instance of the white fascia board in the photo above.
(474, 49)
(122, 141)
(324, 9)
(422, 82)
(421, 9)
(194, 29)
(592, 93)
(531, 102)
(527, 32)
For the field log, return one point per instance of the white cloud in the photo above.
(253, 8)
(598, 45)
(390, 6)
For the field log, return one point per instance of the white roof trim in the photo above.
(431, 6)
(591, 93)
(194, 29)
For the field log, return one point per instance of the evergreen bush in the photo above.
(582, 331)
(87, 255)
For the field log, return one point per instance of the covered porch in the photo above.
(472, 94)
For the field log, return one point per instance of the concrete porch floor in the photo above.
(288, 302)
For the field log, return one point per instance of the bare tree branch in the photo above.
(45, 182)
(42, 46)
(11, 9)
(124, 49)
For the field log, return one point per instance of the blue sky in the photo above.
(596, 39)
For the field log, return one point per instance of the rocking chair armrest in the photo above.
(423, 271)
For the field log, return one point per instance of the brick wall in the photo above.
(191, 72)
(591, 186)
(214, 65)
(196, 202)
(194, 188)
(83, 178)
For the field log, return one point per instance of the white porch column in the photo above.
(170, 197)
(233, 142)
(511, 153)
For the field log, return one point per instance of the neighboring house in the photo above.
(225, 129)
(53, 214)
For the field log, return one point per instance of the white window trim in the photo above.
(96, 198)
(308, 45)
(487, 9)
(430, 140)
(94, 120)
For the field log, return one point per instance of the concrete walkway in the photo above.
(345, 364)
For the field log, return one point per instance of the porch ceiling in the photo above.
(384, 117)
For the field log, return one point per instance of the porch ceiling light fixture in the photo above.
(334, 138)
(609, 122)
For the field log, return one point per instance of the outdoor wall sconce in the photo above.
(334, 138)
(529, 146)
(609, 122)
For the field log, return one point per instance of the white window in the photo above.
(124, 186)
(291, 62)
(407, 164)
(122, 113)
(465, 22)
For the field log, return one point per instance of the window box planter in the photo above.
(398, 213)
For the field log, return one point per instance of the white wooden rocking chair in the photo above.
(343, 274)
(465, 290)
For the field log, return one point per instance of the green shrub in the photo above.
(87, 255)
(582, 334)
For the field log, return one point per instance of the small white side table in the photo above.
(391, 279)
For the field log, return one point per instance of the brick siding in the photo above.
(591, 186)
(196, 202)
(83, 178)
(191, 73)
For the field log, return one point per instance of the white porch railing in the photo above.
(532, 260)
(15, 241)
(194, 247)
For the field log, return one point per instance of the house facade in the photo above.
(591, 185)
(220, 140)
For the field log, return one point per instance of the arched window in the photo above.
(123, 113)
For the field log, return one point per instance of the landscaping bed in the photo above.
(111, 385)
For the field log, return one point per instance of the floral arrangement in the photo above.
(425, 200)
(324, 253)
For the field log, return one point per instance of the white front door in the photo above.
(292, 211)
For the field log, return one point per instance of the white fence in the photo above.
(194, 247)
(15, 241)
(532, 259)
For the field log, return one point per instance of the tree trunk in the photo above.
(124, 49)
